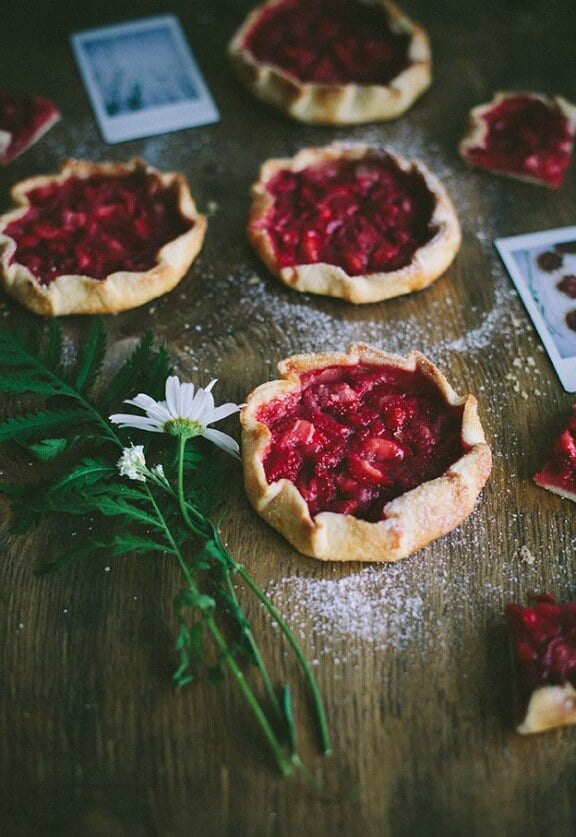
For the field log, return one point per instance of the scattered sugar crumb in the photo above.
(526, 556)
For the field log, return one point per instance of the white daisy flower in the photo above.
(185, 412)
(132, 463)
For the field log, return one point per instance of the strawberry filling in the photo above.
(366, 216)
(568, 286)
(560, 468)
(543, 639)
(23, 118)
(96, 226)
(354, 437)
(525, 137)
(329, 42)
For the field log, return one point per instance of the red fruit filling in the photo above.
(367, 216)
(549, 261)
(329, 42)
(23, 117)
(96, 226)
(560, 468)
(570, 319)
(354, 437)
(526, 137)
(568, 286)
(543, 639)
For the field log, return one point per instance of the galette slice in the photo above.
(522, 135)
(559, 471)
(333, 61)
(543, 642)
(98, 237)
(352, 221)
(23, 120)
(363, 455)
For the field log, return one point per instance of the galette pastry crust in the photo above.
(121, 290)
(411, 520)
(549, 707)
(336, 103)
(428, 262)
(478, 130)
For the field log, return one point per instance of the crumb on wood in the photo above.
(526, 557)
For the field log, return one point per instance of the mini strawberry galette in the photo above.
(352, 221)
(98, 238)
(23, 120)
(523, 135)
(543, 640)
(559, 472)
(333, 61)
(362, 456)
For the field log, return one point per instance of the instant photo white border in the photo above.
(149, 121)
(509, 249)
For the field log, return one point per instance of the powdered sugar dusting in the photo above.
(370, 605)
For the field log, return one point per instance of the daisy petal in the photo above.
(154, 409)
(222, 441)
(186, 400)
(203, 407)
(139, 422)
(223, 411)
(173, 396)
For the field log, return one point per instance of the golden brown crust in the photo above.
(337, 104)
(550, 707)
(477, 129)
(77, 294)
(412, 520)
(428, 262)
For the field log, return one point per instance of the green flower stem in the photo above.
(206, 531)
(305, 666)
(317, 701)
(285, 765)
(249, 637)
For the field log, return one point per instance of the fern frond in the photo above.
(87, 550)
(92, 357)
(48, 449)
(122, 384)
(87, 473)
(124, 544)
(15, 383)
(39, 424)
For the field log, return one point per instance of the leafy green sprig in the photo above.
(165, 509)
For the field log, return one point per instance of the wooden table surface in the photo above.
(412, 658)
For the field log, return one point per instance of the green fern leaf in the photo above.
(122, 384)
(87, 550)
(15, 383)
(39, 424)
(92, 357)
(111, 507)
(48, 449)
(86, 473)
(124, 544)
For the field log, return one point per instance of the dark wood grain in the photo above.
(94, 739)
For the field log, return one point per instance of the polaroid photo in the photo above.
(542, 266)
(142, 79)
